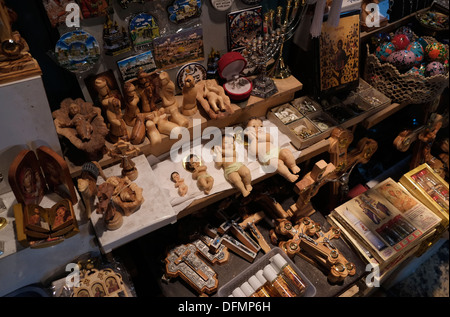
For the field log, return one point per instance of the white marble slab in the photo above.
(154, 213)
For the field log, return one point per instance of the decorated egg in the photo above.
(418, 71)
(400, 41)
(417, 49)
(406, 31)
(384, 50)
(436, 51)
(380, 38)
(402, 59)
(434, 68)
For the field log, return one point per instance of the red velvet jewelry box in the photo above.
(230, 66)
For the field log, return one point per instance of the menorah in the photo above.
(262, 49)
(288, 25)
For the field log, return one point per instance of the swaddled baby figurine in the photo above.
(262, 147)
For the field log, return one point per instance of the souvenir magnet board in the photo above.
(178, 49)
(129, 67)
(243, 26)
(183, 10)
(143, 29)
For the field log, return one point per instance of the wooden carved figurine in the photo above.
(131, 104)
(167, 92)
(83, 125)
(112, 217)
(125, 151)
(87, 185)
(169, 102)
(205, 181)
(234, 172)
(160, 118)
(146, 90)
(213, 99)
(308, 187)
(126, 194)
(179, 183)
(189, 106)
(261, 145)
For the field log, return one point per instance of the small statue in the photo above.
(234, 172)
(117, 126)
(112, 217)
(131, 104)
(179, 183)
(260, 145)
(160, 118)
(81, 123)
(125, 151)
(111, 102)
(146, 91)
(169, 102)
(106, 95)
(189, 106)
(87, 185)
(167, 92)
(126, 194)
(205, 181)
(213, 99)
(78, 132)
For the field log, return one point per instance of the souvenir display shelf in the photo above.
(254, 106)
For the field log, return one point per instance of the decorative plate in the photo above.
(196, 70)
(77, 51)
(222, 5)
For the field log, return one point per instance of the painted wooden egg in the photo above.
(380, 38)
(434, 68)
(402, 59)
(417, 49)
(400, 42)
(384, 50)
(406, 31)
(418, 71)
(436, 51)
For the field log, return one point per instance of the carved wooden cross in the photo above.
(308, 187)
(307, 239)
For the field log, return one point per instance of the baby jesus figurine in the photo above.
(81, 123)
(205, 181)
(234, 172)
(260, 145)
(179, 183)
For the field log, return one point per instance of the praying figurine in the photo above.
(179, 183)
(131, 104)
(205, 181)
(146, 91)
(169, 102)
(111, 216)
(261, 145)
(234, 172)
